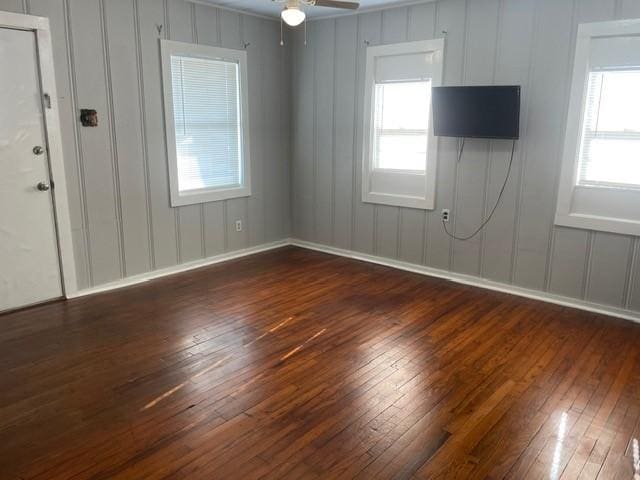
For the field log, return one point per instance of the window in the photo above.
(401, 125)
(600, 180)
(610, 146)
(206, 119)
(399, 152)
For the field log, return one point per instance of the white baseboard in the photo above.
(410, 267)
(476, 281)
(183, 267)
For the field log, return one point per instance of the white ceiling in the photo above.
(269, 8)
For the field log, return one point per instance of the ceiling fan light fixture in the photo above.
(292, 16)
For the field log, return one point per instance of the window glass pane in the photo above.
(613, 161)
(610, 146)
(403, 152)
(401, 121)
(619, 102)
(206, 106)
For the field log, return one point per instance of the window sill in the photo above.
(398, 171)
(602, 224)
(603, 209)
(398, 200)
(209, 196)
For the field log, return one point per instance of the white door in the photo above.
(29, 261)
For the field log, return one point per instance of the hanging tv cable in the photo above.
(495, 206)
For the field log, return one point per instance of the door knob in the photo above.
(38, 150)
(43, 187)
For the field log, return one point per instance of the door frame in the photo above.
(53, 138)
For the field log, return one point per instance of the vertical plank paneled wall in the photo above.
(306, 107)
(526, 42)
(107, 57)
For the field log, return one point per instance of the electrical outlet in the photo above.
(238, 225)
(445, 214)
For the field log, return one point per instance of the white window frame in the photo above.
(435, 48)
(597, 207)
(170, 48)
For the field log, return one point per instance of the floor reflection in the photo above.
(557, 452)
(299, 347)
(636, 459)
(173, 390)
(271, 330)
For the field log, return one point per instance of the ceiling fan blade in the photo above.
(337, 4)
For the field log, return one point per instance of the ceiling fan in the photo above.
(293, 15)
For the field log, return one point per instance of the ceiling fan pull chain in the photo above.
(305, 31)
(281, 34)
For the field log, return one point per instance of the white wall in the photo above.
(107, 58)
(527, 42)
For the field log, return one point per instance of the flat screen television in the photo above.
(477, 112)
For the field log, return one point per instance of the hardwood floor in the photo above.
(294, 364)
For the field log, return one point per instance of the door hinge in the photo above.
(47, 100)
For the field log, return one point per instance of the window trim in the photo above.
(566, 213)
(436, 47)
(167, 49)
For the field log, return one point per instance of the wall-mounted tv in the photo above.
(480, 112)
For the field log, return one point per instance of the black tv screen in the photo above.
(481, 112)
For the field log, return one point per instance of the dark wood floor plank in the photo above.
(295, 364)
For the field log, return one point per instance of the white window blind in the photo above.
(610, 144)
(401, 125)
(207, 119)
